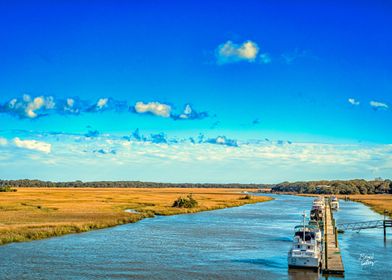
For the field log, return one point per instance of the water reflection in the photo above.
(303, 274)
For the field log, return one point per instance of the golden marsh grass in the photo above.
(37, 213)
(378, 202)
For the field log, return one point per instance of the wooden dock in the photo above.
(332, 260)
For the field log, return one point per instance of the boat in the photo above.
(306, 250)
(318, 204)
(314, 226)
(334, 203)
(316, 215)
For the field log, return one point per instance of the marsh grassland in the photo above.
(378, 202)
(37, 213)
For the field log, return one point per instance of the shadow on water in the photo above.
(302, 274)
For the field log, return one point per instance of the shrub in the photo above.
(248, 196)
(188, 202)
(7, 189)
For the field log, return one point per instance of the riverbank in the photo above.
(38, 213)
(377, 202)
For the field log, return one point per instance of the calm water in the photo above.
(248, 242)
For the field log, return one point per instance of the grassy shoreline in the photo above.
(37, 213)
(377, 202)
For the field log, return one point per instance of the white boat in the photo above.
(306, 250)
(334, 203)
(314, 226)
(318, 204)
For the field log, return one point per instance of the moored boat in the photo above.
(316, 215)
(306, 249)
(318, 204)
(314, 226)
(334, 203)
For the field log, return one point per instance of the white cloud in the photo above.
(70, 102)
(190, 114)
(187, 112)
(70, 107)
(34, 105)
(154, 108)
(28, 107)
(3, 141)
(188, 109)
(38, 103)
(12, 103)
(254, 158)
(33, 145)
(26, 98)
(102, 102)
(220, 140)
(230, 52)
(353, 101)
(223, 140)
(40, 106)
(49, 103)
(378, 105)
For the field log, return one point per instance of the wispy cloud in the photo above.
(158, 138)
(105, 151)
(215, 124)
(33, 145)
(265, 58)
(3, 141)
(260, 160)
(104, 104)
(290, 57)
(92, 133)
(223, 140)
(353, 101)
(256, 121)
(378, 105)
(230, 52)
(69, 107)
(136, 136)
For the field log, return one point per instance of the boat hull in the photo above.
(303, 262)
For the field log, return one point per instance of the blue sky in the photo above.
(256, 91)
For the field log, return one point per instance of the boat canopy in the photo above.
(300, 227)
(309, 235)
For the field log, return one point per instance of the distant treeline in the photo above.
(312, 187)
(115, 184)
(377, 186)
